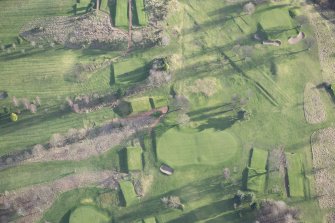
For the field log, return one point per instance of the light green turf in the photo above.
(140, 104)
(134, 158)
(258, 161)
(149, 220)
(276, 19)
(295, 177)
(104, 6)
(257, 171)
(130, 71)
(128, 192)
(142, 15)
(181, 148)
(121, 18)
(88, 214)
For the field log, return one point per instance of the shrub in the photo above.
(14, 117)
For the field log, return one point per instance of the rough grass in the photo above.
(134, 158)
(88, 214)
(121, 18)
(314, 108)
(181, 148)
(128, 192)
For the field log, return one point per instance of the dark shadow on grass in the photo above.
(111, 75)
(218, 124)
(134, 76)
(123, 160)
(194, 191)
(66, 217)
(212, 211)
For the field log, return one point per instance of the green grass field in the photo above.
(88, 214)
(130, 71)
(204, 44)
(140, 104)
(149, 220)
(181, 148)
(121, 17)
(128, 192)
(257, 171)
(104, 6)
(142, 16)
(295, 176)
(134, 158)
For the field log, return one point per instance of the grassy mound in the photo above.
(128, 192)
(180, 148)
(134, 158)
(88, 214)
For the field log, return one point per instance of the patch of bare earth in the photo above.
(29, 203)
(313, 107)
(323, 150)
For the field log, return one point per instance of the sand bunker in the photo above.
(296, 39)
(272, 42)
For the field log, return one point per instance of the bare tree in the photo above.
(69, 102)
(37, 150)
(57, 140)
(249, 8)
(172, 202)
(38, 101)
(226, 173)
(15, 101)
(75, 108)
(277, 212)
(183, 119)
(33, 108)
(309, 42)
(26, 104)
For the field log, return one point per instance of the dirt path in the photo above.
(31, 202)
(326, 42)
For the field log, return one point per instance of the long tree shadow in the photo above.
(218, 124)
(134, 76)
(189, 193)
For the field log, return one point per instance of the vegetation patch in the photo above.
(88, 214)
(128, 192)
(121, 17)
(182, 147)
(313, 106)
(257, 171)
(295, 175)
(150, 220)
(134, 158)
(142, 16)
(130, 71)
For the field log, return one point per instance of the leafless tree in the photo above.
(15, 101)
(33, 44)
(249, 8)
(75, 108)
(26, 104)
(183, 119)
(37, 150)
(172, 202)
(69, 102)
(38, 101)
(309, 42)
(276, 212)
(226, 173)
(57, 140)
(33, 108)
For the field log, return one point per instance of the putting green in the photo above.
(88, 214)
(180, 148)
